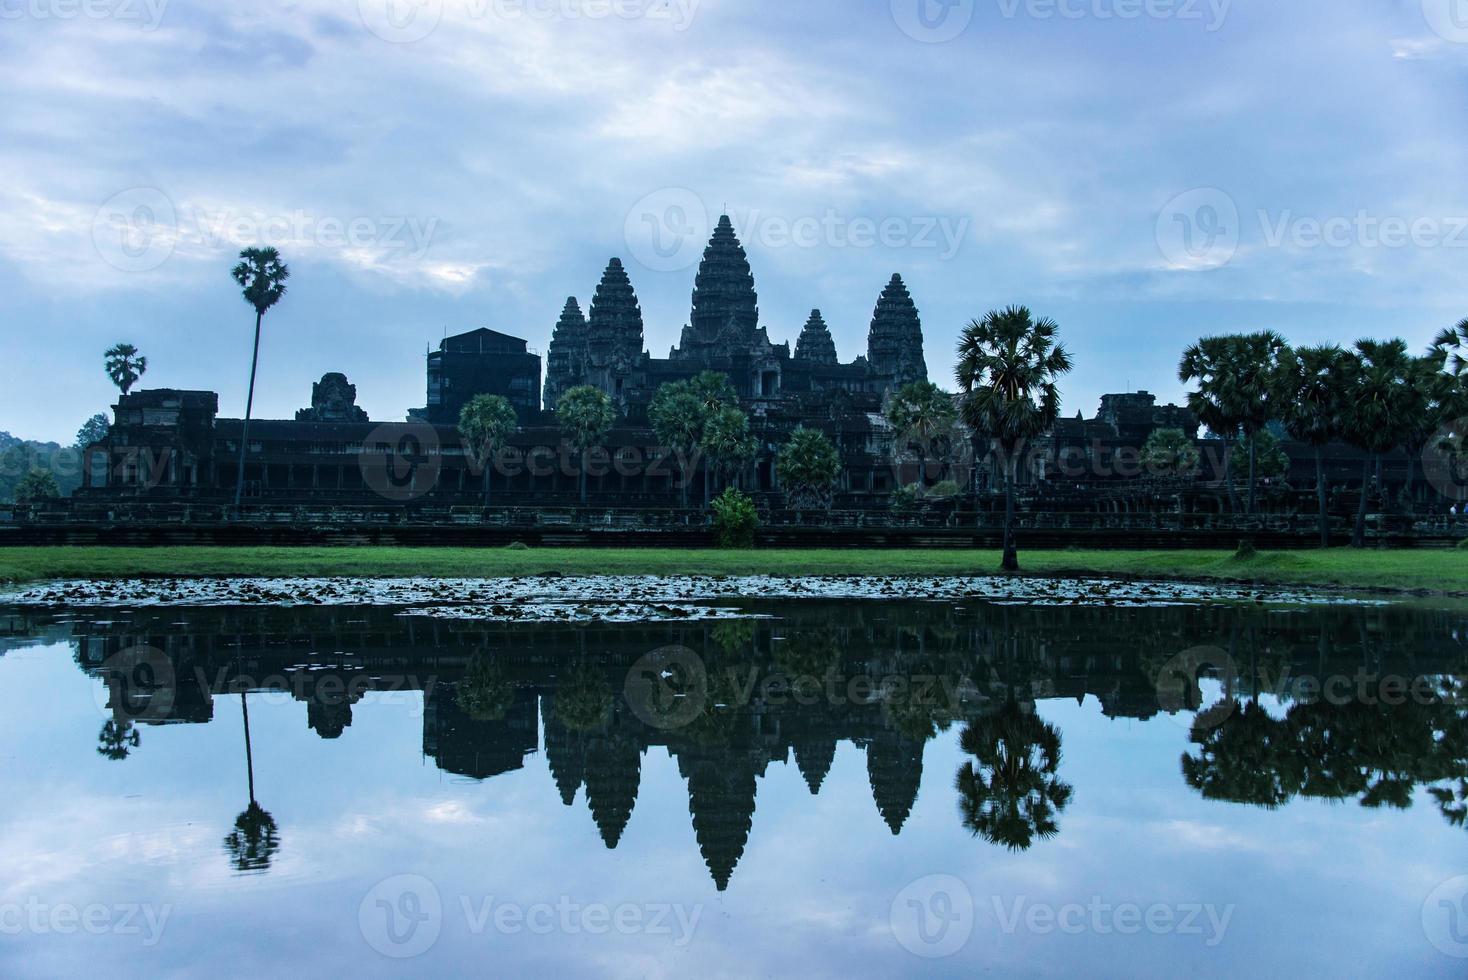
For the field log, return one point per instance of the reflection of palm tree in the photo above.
(116, 740)
(1244, 760)
(585, 702)
(253, 842)
(484, 694)
(1014, 793)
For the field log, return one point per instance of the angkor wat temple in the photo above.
(171, 446)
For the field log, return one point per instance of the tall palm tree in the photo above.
(124, 365)
(1313, 393)
(1259, 355)
(1213, 363)
(677, 420)
(586, 415)
(485, 422)
(1452, 343)
(1008, 366)
(261, 276)
(727, 442)
(1010, 793)
(1386, 402)
(253, 842)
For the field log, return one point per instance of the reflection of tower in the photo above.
(721, 799)
(478, 749)
(813, 756)
(895, 768)
(613, 774)
(565, 753)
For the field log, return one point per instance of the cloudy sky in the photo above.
(1143, 171)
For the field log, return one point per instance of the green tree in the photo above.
(1386, 400)
(1171, 453)
(1213, 363)
(484, 694)
(36, 485)
(923, 416)
(1314, 385)
(1264, 456)
(485, 423)
(1452, 344)
(1009, 364)
(677, 420)
(117, 739)
(807, 467)
(1259, 356)
(93, 431)
(124, 365)
(586, 415)
(261, 276)
(726, 441)
(735, 519)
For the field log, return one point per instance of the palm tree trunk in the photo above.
(486, 484)
(1011, 553)
(1358, 538)
(1252, 470)
(1320, 497)
(1228, 475)
(583, 477)
(239, 483)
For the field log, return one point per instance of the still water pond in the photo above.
(824, 788)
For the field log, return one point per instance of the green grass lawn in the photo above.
(1443, 571)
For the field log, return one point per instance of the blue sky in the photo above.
(1143, 171)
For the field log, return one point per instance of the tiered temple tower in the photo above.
(566, 357)
(895, 343)
(725, 318)
(895, 769)
(613, 333)
(815, 344)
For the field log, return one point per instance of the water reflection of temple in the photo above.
(492, 694)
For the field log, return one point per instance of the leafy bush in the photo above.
(36, 485)
(943, 490)
(735, 519)
(906, 498)
(1463, 545)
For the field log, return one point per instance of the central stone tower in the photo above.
(725, 318)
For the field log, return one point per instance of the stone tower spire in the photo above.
(895, 770)
(566, 358)
(613, 332)
(895, 343)
(725, 314)
(815, 343)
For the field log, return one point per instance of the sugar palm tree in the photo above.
(485, 422)
(124, 365)
(807, 467)
(261, 276)
(1213, 363)
(677, 420)
(1453, 345)
(253, 842)
(727, 443)
(1385, 402)
(586, 415)
(1008, 366)
(1313, 392)
(1010, 793)
(1259, 355)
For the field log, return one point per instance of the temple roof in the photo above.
(815, 343)
(725, 305)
